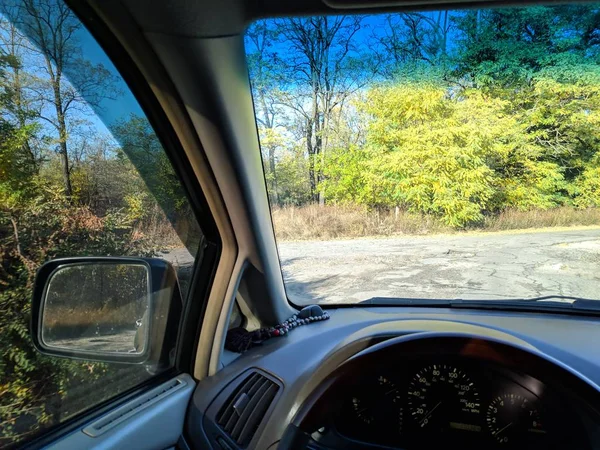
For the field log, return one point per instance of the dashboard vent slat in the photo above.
(235, 415)
(262, 405)
(227, 410)
(244, 410)
(235, 433)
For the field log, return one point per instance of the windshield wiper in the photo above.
(554, 299)
(550, 303)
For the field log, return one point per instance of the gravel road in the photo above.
(470, 266)
(122, 342)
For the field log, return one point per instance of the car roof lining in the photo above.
(209, 19)
(273, 8)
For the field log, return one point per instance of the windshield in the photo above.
(439, 155)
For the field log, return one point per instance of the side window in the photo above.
(82, 173)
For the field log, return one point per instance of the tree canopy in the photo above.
(458, 114)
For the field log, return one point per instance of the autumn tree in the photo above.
(66, 81)
(17, 82)
(157, 184)
(323, 68)
(544, 61)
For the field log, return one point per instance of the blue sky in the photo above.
(111, 110)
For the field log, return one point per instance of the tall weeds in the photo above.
(339, 222)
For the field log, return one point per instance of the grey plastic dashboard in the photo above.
(302, 359)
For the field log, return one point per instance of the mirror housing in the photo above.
(80, 311)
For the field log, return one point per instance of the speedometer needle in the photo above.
(502, 429)
(429, 413)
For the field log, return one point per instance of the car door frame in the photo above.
(209, 255)
(191, 74)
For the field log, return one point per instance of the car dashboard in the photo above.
(409, 378)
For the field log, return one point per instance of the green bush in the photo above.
(460, 157)
(37, 391)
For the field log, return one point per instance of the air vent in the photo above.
(246, 407)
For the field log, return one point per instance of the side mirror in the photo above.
(107, 309)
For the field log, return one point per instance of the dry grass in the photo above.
(338, 222)
(557, 217)
(159, 230)
(334, 222)
(82, 317)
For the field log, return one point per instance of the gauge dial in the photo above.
(511, 417)
(445, 396)
(377, 404)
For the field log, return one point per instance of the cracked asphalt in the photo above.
(470, 266)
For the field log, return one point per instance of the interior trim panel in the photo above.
(307, 356)
(153, 420)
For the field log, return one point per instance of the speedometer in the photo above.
(443, 396)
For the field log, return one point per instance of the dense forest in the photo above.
(459, 115)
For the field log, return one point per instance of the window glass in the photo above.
(82, 173)
(438, 154)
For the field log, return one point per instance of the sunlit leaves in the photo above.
(460, 155)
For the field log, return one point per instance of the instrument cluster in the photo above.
(457, 403)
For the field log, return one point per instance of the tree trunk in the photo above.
(54, 56)
(65, 169)
(274, 194)
(269, 124)
(321, 198)
(320, 176)
(323, 143)
(64, 156)
(311, 160)
(16, 236)
(311, 176)
(316, 148)
(62, 135)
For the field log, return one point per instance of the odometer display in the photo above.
(442, 396)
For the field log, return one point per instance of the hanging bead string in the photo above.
(239, 339)
(293, 322)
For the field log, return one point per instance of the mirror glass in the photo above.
(97, 308)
